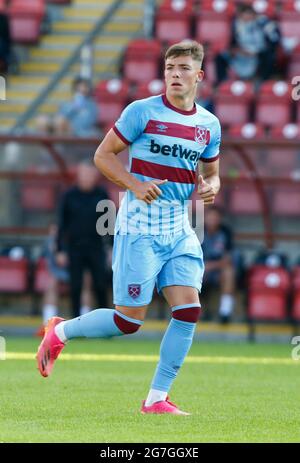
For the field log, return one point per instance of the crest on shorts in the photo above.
(202, 135)
(134, 290)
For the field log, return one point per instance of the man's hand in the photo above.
(206, 191)
(148, 191)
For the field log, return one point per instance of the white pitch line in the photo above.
(154, 358)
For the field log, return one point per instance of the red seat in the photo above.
(25, 19)
(249, 131)
(268, 291)
(289, 19)
(296, 293)
(265, 7)
(145, 90)
(244, 200)
(37, 196)
(173, 20)
(13, 275)
(294, 64)
(213, 23)
(42, 276)
(232, 103)
(274, 103)
(2, 6)
(285, 200)
(141, 60)
(282, 161)
(112, 96)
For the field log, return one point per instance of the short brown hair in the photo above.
(186, 48)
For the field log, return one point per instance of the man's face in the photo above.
(181, 74)
(87, 177)
(212, 220)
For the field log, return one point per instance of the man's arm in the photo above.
(109, 165)
(209, 181)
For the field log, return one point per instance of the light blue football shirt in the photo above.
(164, 143)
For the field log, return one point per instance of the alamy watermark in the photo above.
(2, 89)
(296, 350)
(296, 89)
(158, 218)
(2, 348)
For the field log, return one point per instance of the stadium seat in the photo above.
(296, 294)
(274, 104)
(2, 6)
(41, 276)
(173, 20)
(213, 23)
(244, 200)
(145, 90)
(25, 19)
(268, 290)
(294, 63)
(289, 19)
(141, 60)
(13, 275)
(111, 97)
(232, 103)
(285, 200)
(264, 7)
(38, 196)
(282, 161)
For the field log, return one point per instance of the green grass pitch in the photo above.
(235, 392)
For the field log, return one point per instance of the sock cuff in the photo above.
(128, 319)
(185, 306)
(186, 313)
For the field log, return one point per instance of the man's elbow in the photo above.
(98, 158)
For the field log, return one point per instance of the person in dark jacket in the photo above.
(78, 243)
(5, 42)
(254, 43)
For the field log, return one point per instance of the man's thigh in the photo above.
(135, 268)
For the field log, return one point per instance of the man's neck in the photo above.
(184, 104)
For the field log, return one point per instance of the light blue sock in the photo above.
(99, 323)
(173, 349)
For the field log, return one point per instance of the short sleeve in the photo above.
(130, 124)
(212, 151)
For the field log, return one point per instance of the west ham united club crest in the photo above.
(134, 290)
(202, 135)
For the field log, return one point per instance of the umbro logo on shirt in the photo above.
(161, 127)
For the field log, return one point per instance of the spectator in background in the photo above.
(253, 49)
(57, 275)
(5, 42)
(78, 244)
(219, 267)
(78, 117)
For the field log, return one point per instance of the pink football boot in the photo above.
(49, 348)
(164, 406)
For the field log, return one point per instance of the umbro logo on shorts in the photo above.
(134, 290)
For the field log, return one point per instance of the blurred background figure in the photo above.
(5, 42)
(77, 117)
(253, 50)
(78, 245)
(58, 276)
(219, 267)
